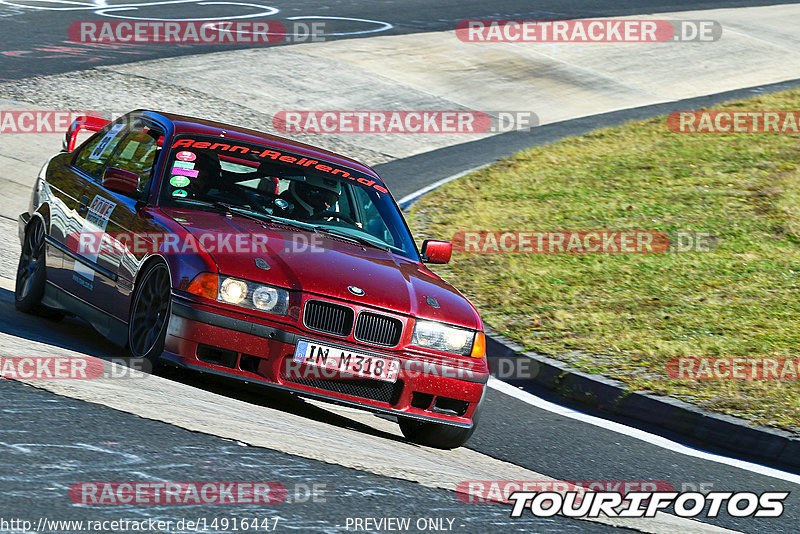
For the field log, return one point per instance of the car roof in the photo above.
(184, 124)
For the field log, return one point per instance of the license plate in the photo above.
(346, 361)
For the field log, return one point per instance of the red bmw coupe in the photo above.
(235, 252)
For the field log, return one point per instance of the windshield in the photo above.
(214, 172)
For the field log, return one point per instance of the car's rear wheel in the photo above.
(150, 310)
(32, 275)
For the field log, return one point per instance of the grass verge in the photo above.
(627, 315)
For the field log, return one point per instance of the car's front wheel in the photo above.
(31, 275)
(435, 434)
(439, 435)
(150, 310)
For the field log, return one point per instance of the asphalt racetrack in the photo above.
(35, 38)
(338, 464)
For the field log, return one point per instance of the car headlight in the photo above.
(265, 298)
(233, 291)
(253, 295)
(438, 336)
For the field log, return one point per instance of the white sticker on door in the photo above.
(95, 222)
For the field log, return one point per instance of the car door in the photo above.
(76, 274)
(61, 193)
(111, 215)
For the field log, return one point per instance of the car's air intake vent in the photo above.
(329, 318)
(376, 390)
(378, 329)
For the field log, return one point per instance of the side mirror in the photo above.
(86, 122)
(121, 181)
(434, 251)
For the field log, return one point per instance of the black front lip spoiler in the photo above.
(177, 360)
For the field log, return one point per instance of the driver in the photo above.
(309, 198)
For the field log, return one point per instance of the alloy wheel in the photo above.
(150, 310)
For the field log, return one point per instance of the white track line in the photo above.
(408, 199)
(647, 437)
(7, 283)
(613, 426)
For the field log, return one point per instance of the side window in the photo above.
(92, 157)
(373, 222)
(136, 152)
(343, 205)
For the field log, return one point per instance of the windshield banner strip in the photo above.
(270, 153)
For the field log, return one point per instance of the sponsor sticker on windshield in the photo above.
(185, 172)
(179, 181)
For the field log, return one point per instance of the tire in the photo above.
(439, 435)
(31, 273)
(150, 312)
(434, 434)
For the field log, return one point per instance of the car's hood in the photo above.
(329, 267)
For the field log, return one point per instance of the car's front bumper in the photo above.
(257, 351)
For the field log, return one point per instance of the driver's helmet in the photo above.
(316, 194)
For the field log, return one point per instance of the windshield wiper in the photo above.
(249, 214)
(350, 237)
(233, 209)
(266, 217)
(242, 212)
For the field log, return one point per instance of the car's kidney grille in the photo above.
(378, 329)
(329, 318)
